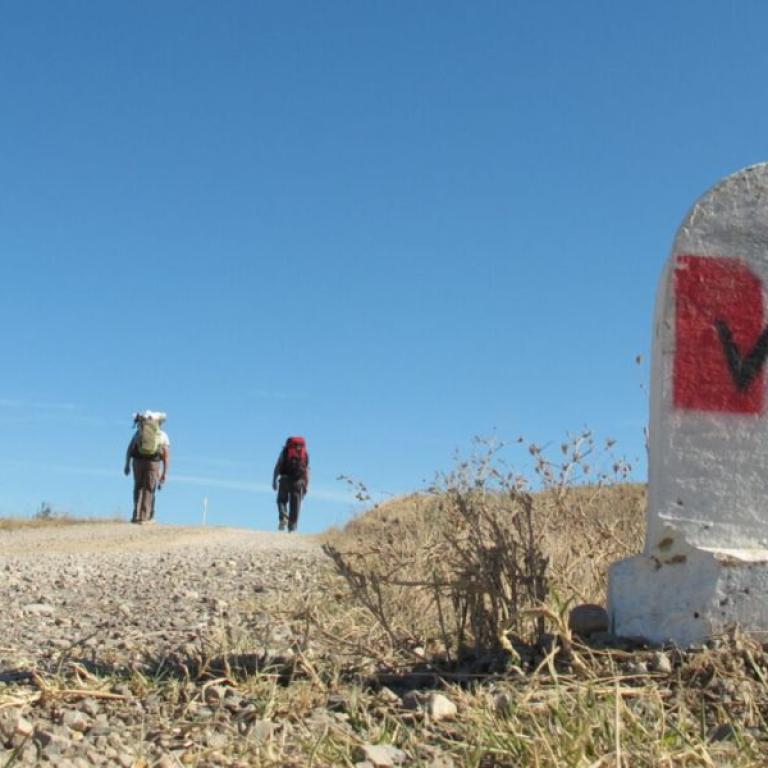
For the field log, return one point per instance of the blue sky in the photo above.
(387, 226)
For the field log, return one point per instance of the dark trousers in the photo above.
(289, 496)
(146, 477)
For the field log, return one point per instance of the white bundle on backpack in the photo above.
(158, 416)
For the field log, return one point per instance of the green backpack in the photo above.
(148, 442)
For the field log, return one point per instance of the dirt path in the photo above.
(124, 537)
(113, 582)
(131, 603)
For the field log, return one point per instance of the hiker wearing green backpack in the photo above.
(291, 481)
(149, 450)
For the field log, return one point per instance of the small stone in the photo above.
(51, 737)
(388, 696)
(95, 757)
(14, 727)
(234, 701)
(380, 755)
(39, 609)
(722, 732)
(53, 750)
(216, 739)
(413, 700)
(125, 760)
(502, 704)
(24, 727)
(588, 618)
(75, 720)
(261, 730)
(214, 694)
(662, 663)
(440, 707)
(114, 740)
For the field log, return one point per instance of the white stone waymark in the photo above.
(705, 563)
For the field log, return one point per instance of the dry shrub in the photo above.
(588, 518)
(463, 567)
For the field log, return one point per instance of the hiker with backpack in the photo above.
(149, 450)
(291, 481)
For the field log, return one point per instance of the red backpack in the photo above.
(295, 458)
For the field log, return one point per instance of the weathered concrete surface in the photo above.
(687, 594)
(707, 520)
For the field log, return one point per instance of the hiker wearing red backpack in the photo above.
(150, 453)
(291, 481)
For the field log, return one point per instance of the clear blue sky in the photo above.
(387, 226)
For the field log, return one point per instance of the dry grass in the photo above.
(586, 709)
(584, 529)
(466, 568)
(58, 521)
(538, 701)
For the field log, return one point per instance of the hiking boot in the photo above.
(281, 526)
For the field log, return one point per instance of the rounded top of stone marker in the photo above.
(733, 214)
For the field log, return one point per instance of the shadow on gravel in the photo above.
(187, 664)
(15, 675)
(175, 665)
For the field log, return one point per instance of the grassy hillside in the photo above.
(580, 530)
(19, 523)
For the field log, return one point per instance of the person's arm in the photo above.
(128, 454)
(306, 475)
(276, 472)
(166, 462)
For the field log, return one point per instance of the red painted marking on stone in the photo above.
(708, 289)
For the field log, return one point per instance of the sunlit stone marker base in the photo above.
(687, 595)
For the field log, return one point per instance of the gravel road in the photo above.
(114, 599)
(123, 537)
